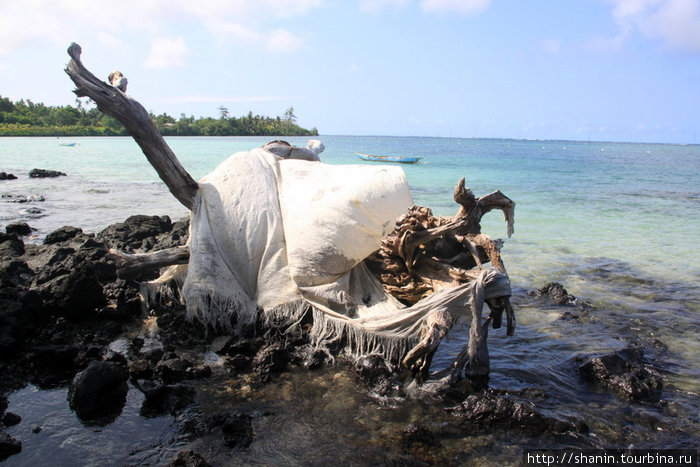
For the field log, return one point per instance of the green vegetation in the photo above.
(25, 118)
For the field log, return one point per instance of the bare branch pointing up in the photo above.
(112, 101)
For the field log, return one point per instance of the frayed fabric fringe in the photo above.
(166, 287)
(230, 315)
(287, 317)
(356, 341)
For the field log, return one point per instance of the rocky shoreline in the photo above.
(63, 306)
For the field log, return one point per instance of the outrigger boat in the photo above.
(402, 160)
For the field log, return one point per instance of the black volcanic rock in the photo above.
(625, 374)
(43, 173)
(99, 390)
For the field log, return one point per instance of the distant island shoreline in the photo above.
(26, 118)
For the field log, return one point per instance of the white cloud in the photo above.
(58, 22)
(552, 46)
(220, 99)
(246, 10)
(375, 6)
(281, 40)
(167, 53)
(459, 6)
(109, 40)
(275, 41)
(19, 25)
(227, 32)
(675, 22)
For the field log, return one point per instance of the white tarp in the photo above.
(273, 236)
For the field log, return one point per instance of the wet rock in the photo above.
(85, 356)
(16, 300)
(624, 373)
(76, 294)
(53, 365)
(491, 411)
(136, 345)
(568, 316)
(141, 368)
(62, 234)
(178, 235)
(372, 369)
(16, 273)
(188, 458)
(240, 362)
(123, 301)
(99, 391)
(8, 446)
(659, 345)
(173, 369)
(174, 329)
(22, 198)
(43, 173)
(238, 431)
(10, 246)
(247, 347)
(18, 228)
(153, 355)
(417, 434)
(33, 212)
(558, 294)
(164, 399)
(309, 357)
(36, 429)
(70, 283)
(7, 176)
(11, 419)
(116, 357)
(236, 428)
(136, 233)
(272, 358)
(221, 344)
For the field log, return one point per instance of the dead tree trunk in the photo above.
(112, 101)
(134, 265)
(425, 254)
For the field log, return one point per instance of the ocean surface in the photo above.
(617, 224)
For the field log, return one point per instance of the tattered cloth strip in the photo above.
(275, 236)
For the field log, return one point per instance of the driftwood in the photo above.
(112, 101)
(422, 255)
(425, 254)
(135, 265)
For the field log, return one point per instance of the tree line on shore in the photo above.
(26, 118)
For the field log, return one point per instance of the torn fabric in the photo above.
(271, 235)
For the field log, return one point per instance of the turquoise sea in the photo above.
(616, 223)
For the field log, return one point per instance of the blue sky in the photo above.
(613, 70)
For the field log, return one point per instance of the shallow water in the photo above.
(616, 224)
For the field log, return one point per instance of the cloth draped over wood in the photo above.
(276, 236)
